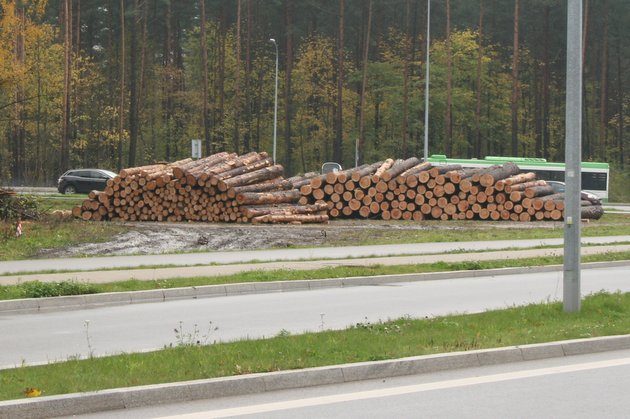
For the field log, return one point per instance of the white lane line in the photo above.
(396, 391)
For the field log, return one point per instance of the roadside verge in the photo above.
(30, 305)
(132, 397)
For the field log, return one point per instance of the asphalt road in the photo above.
(584, 386)
(42, 337)
(95, 263)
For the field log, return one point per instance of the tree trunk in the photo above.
(121, 108)
(603, 88)
(167, 82)
(588, 147)
(479, 149)
(205, 118)
(337, 153)
(248, 70)
(620, 97)
(237, 82)
(288, 144)
(65, 139)
(366, 49)
(133, 87)
(545, 87)
(448, 121)
(18, 131)
(268, 198)
(515, 93)
(406, 60)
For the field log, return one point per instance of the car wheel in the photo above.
(69, 189)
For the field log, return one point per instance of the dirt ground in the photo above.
(155, 238)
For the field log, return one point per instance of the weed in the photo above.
(38, 289)
(193, 337)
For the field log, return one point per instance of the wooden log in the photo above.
(179, 168)
(252, 177)
(250, 167)
(386, 165)
(457, 176)
(593, 212)
(523, 186)
(415, 169)
(399, 167)
(368, 170)
(476, 177)
(258, 211)
(539, 191)
(299, 181)
(267, 198)
(131, 171)
(520, 178)
(317, 181)
(490, 177)
(291, 218)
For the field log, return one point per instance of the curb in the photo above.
(74, 302)
(134, 397)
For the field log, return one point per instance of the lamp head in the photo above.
(272, 40)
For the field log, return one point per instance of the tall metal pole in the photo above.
(426, 87)
(573, 156)
(275, 106)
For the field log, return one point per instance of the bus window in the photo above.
(594, 181)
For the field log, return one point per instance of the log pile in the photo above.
(226, 187)
(410, 190)
(223, 187)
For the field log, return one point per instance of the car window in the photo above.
(82, 173)
(97, 175)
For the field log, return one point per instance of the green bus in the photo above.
(595, 176)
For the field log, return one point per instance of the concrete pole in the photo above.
(426, 87)
(573, 156)
(275, 106)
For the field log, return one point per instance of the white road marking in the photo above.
(401, 390)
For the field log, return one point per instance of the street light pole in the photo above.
(275, 106)
(573, 154)
(426, 88)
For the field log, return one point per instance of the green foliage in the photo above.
(168, 81)
(619, 185)
(37, 289)
(18, 207)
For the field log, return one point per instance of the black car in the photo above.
(83, 180)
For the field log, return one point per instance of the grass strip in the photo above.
(37, 289)
(453, 230)
(40, 236)
(602, 314)
(46, 235)
(258, 261)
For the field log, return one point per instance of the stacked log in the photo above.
(410, 190)
(224, 187)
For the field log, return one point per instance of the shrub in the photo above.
(37, 289)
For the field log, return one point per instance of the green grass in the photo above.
(452, 230)
(59, 201)
(34, 289)
(51, 234)
(601, 315)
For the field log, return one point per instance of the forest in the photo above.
(119, 83)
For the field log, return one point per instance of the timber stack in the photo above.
(223, 187)
(411, 190)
